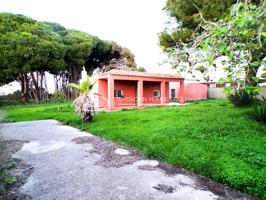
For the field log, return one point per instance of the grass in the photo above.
(211, 138)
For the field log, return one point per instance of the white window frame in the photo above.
(158, 93)
(116, 93)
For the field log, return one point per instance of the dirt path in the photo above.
(66, 163)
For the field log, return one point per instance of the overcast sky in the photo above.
(134, 24)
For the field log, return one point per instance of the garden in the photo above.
(212, 137)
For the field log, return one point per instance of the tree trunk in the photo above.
(24, 88)
(41, 86)
(36, 86)
(46, 95)
(56, 83)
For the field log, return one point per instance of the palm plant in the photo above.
(83, 104)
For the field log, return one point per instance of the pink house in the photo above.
(122, 89)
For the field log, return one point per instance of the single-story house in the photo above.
(122, 89)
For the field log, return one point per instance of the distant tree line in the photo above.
(30, 48)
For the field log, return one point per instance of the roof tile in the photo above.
(142, 74)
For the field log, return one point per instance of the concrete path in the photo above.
(69, 164)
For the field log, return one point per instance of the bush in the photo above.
(5, 103)
(259, 112)
(58, 97)
(240, 97)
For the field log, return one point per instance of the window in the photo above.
(156, 93)
(173, 94)
(119, 93)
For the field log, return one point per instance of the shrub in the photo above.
(58, 97)
(259, 112)
(17, 95)
(241, 97)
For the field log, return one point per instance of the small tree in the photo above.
(83, 104)
(240, 37)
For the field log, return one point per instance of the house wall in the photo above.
(193, 91)
(130, 86)
(129, 89)
(167, 91)
(103, 93)
(148, 88)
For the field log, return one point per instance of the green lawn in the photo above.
(211, 138)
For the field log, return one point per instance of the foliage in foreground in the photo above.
(212, 138)
(240, 97)
(259, 112)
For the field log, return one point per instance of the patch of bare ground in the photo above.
(107, 151)
(14, 172)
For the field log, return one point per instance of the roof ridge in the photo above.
(137, 73)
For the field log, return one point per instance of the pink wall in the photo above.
(193, 91)
(167, 95)
(130, 92)
(103, 91)
(129, 89)
(137, 90)
(148, 88)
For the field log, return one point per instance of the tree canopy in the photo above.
(30, 48)
(187, 15)
(27, 45)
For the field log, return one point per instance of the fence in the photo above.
(217, 93)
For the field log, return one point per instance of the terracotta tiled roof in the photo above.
(142, 74)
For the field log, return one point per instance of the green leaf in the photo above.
(256, 79)
(74, 86)
(211, 60)
(245, 32)
(221, 81)
(222, 48)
